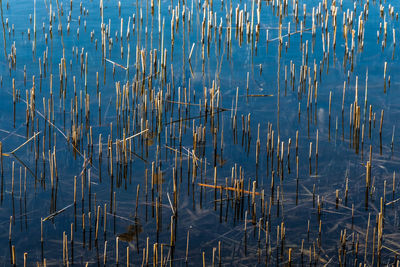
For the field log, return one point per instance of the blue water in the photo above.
(231, 68)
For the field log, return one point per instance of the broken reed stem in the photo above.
(228, 188)
(27, 141)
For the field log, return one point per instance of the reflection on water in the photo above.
(199, 132)
(131, 234)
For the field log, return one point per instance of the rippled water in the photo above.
(246, 94)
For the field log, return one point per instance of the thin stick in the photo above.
(227, 188)
(27, 141)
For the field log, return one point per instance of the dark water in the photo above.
(248, 98)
